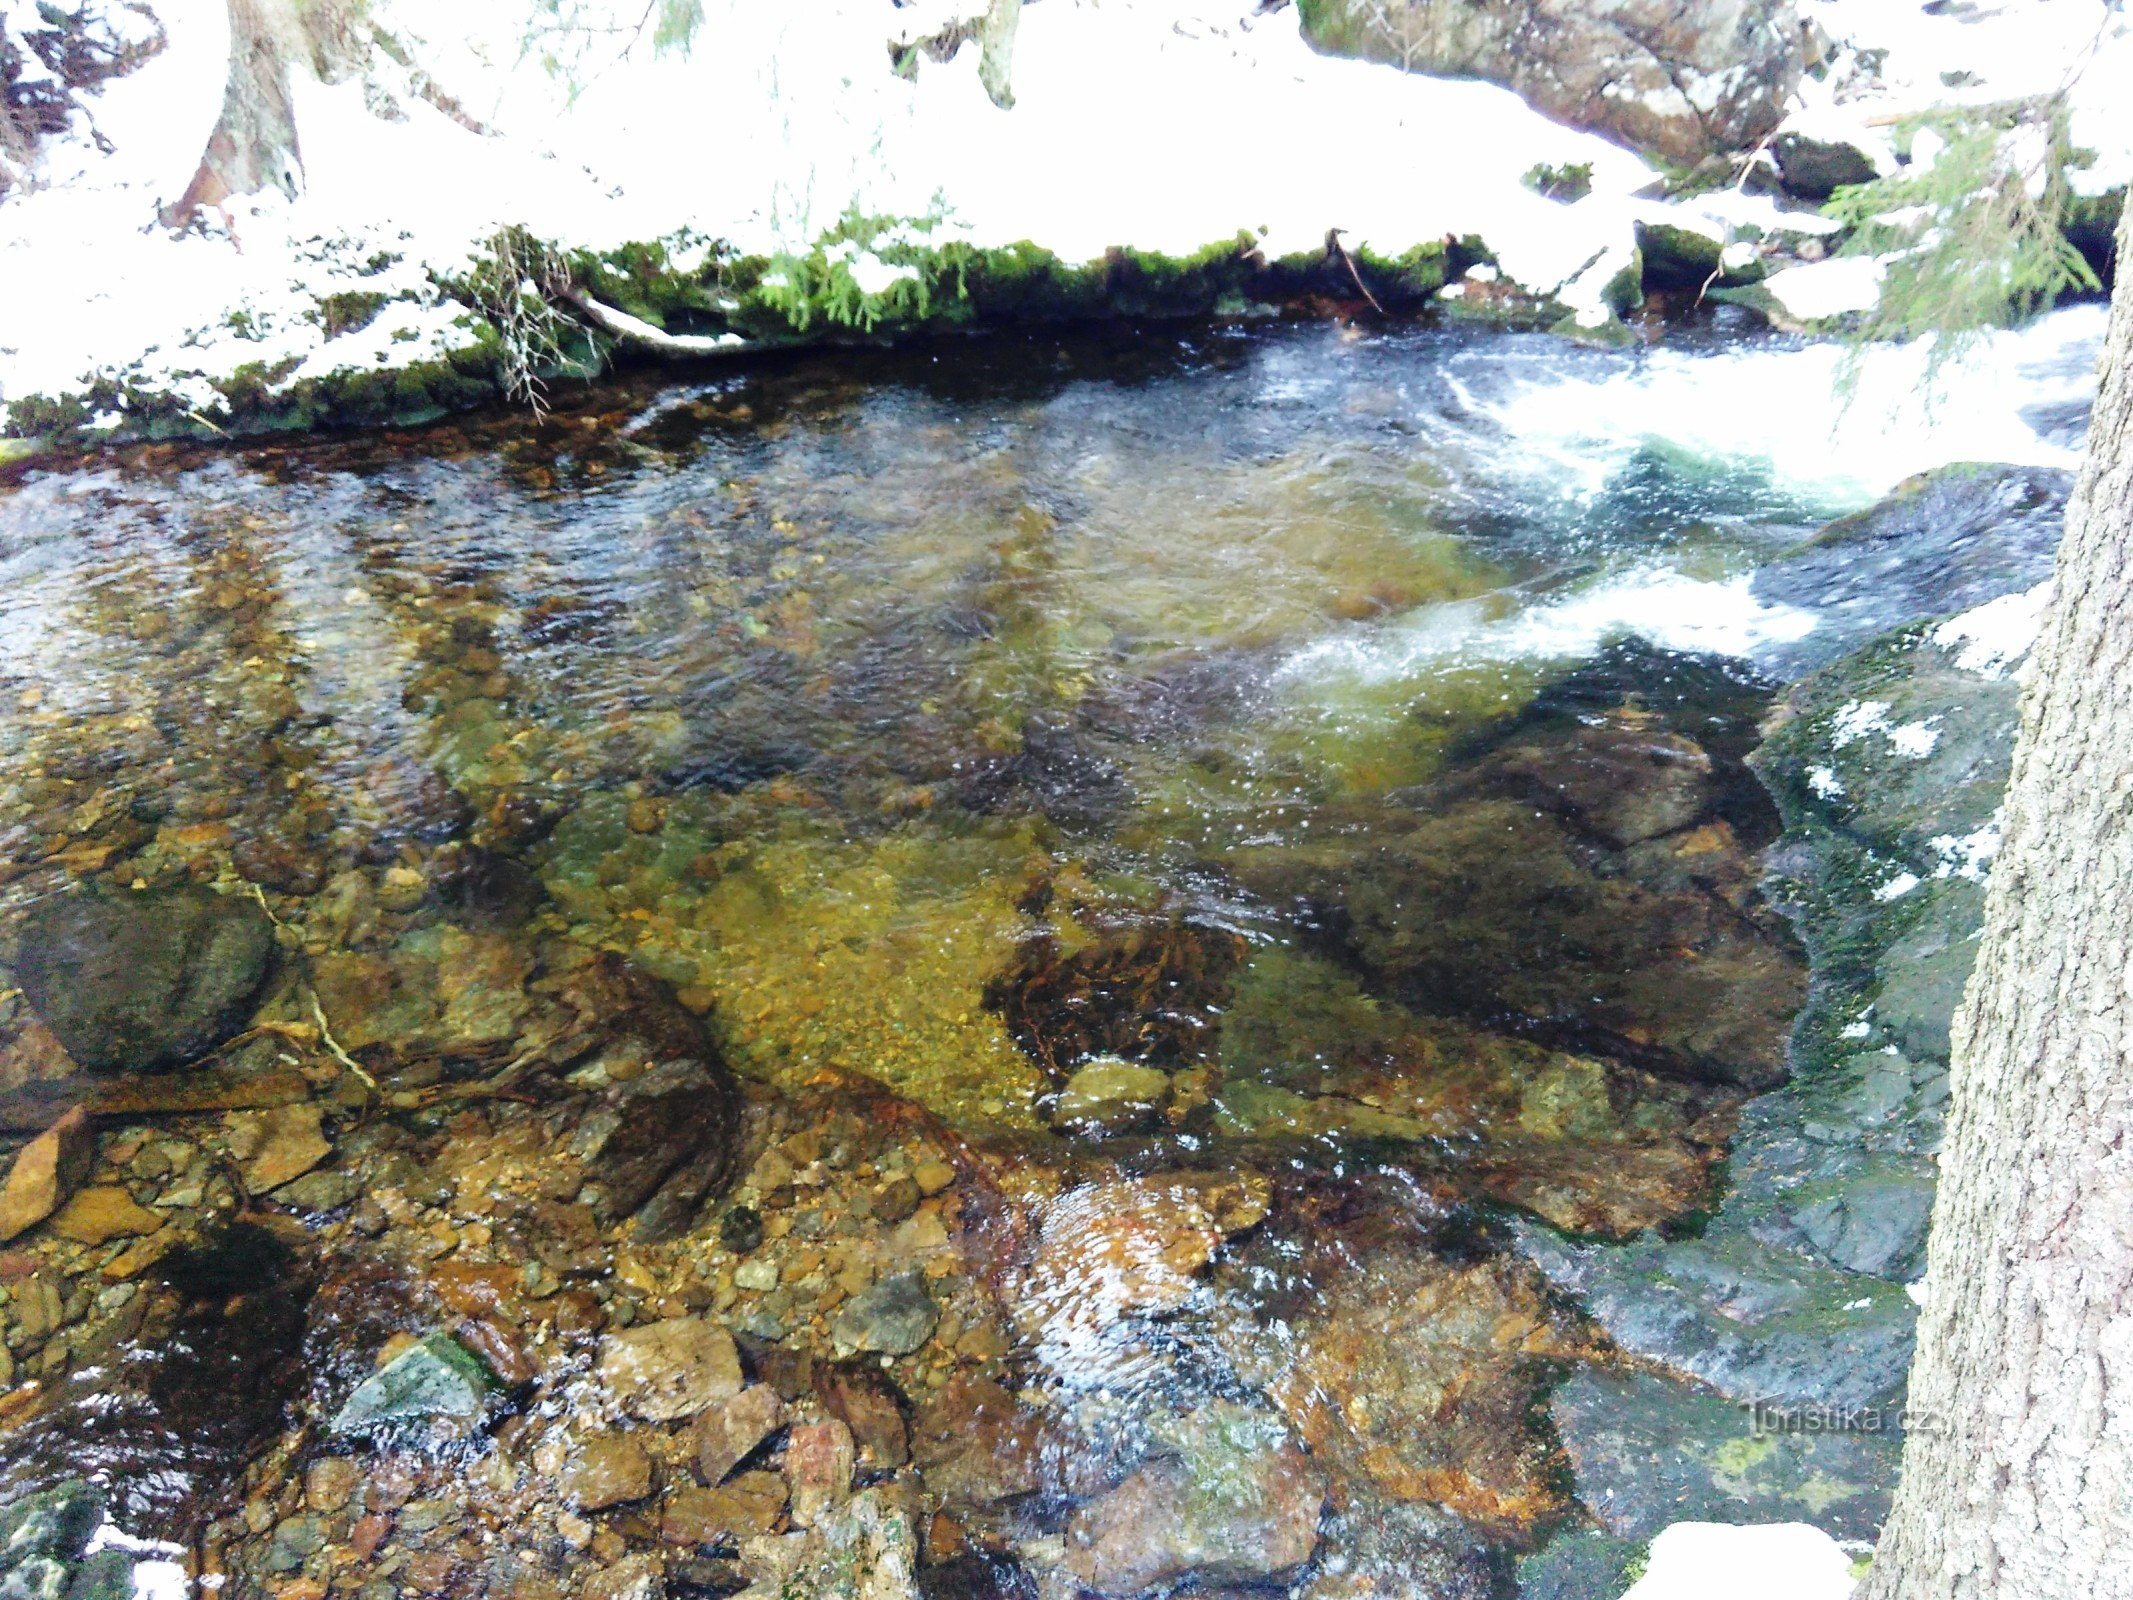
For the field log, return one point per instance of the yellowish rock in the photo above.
(99, 1215)
(46, 1171)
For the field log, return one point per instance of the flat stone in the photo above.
(134, 980)
(99, 1215)
(893, 1318)
(1236, 1502)
(435, 1379)
(330, 1483)
(866, 1400)
(607, 1470)
(667, 1370)
(289, 1144)
(978, 1444)
(638, 1577)
(728, 1431)
(747, 1507)
(46, 1172)
(1111, 1096)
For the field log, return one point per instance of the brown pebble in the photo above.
(331, 1483)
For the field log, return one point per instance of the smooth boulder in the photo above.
(141, 980)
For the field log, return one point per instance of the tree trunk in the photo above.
(254, 143)
(2018, 1468)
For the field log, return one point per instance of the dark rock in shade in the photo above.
(1814, 169)
(1940, 543)
(867, 1401)
(1684, 258)
(977, 1575)
(662, 1145)
(135, 980)
(1648, 1453)
(1581, 1564)
(1493, 909)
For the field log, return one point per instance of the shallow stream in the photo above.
(1176, 841)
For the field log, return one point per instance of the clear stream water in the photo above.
(1334, 738)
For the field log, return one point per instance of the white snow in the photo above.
(1858, 718)
(1967, 855)
(1826, 288)
(1166, 126)
(1972, 55)
(1992, 639)
(1897, 887)
(1824, 783)
(1774, 1561)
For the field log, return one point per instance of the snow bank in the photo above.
(1975, 55)
(1166, 127)
(1777, 1561)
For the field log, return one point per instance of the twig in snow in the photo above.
(635, 330)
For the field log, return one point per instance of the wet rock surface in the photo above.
(835, 1029)
(1789, 1312)
(135, 981)
(1943, 542)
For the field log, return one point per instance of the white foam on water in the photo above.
(1831, 425)
(1665, 607)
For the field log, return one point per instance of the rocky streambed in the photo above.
(1079, 978)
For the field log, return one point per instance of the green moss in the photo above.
(349, 311)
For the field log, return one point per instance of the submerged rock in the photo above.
(1398, 1368)
(1147, 991)
(1111, 1096)
(1229, 1499)
(437, 1379)
(135, 980)
(46, 1172)
(893, 1318)
(671, 1369)
(1489, 907)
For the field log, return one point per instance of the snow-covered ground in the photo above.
(1776, 1561)
(1167, 125)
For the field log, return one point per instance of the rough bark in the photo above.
(2018, 1469)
